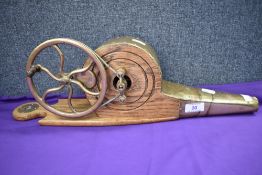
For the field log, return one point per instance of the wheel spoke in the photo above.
(80, 70)
(42, 68)
(69, 99)
(62, 58)
(84, 88)
(52, 90)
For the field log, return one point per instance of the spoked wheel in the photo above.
(67, 79)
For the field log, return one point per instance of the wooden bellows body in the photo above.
(146, 96)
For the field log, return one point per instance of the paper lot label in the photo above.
(195, 107)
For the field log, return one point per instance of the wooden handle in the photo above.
(28, 111)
